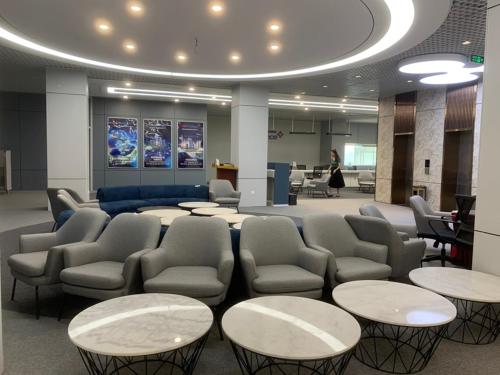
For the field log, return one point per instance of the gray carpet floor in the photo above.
(43, 348)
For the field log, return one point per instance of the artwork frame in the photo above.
(122, 142)
(190, 145)
(157, 141)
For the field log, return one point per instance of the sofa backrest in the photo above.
(117, 193)
(137, 192)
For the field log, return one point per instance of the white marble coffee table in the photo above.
(234, 218)
(402, 324)
(476, 296)
(142, 333)
(167, 216)
(193, 205)
(214, 211)
(290, 335)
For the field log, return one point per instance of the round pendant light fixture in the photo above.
(449, 78)
(432, 63)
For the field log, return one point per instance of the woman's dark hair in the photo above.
(335, 154)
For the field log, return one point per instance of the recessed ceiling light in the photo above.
(214, 98)
(128, 84)
(358, 76)
(191, 88)
(181, 57)
(297, 97)
(135, 8)
(223, 103)
(176, 100)
(274, 27)
(344, 100)
(234, 57)
(449, 78)
(306, 109)
(372, 90)
(129, 46)
(432, 63)
(303, 92)
(216, 8)
(125, 97)
(301, 103)
(274, 47)
(103, 26)
(466, 42)
(344, 111)
(325, 86)
(410, 81)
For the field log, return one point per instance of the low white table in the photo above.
(476, 296)
(142, 333)
(214, 211)
(167, 216)
(402, 324)
(234, 218)
(290, 335)
(193, 205)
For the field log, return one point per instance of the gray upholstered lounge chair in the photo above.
(40, 258)
(71, 203)
(403, 256)
(110, 267)
(275, 260)
(405, 231)
(197, 264)
(222, 192)
(349, 258)
(366, 181)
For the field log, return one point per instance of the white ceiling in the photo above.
(466, 21)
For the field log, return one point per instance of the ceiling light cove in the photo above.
(399, 20)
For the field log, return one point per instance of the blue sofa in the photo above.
(118, 199)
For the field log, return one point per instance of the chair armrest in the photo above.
(92, 201)
(445, 223)
(55, 261)
(372, 251)
(248, 265)
(416, 246)
(84, 253)
(132, 270)
(442, 214)
(211, 196)
(237, 194)
(225, 267)
(89, 205)
(403, 235)
(30, 243)
(313, 260)
(407, 228)
(153, 262)
(331, 268)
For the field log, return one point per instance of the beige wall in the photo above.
(385, 150)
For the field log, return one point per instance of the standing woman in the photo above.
(336, 178)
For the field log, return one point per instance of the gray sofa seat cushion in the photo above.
(285, 279)
(191, 281)
(354, 268)
(100, 275)
(29, 264)
(227, 200)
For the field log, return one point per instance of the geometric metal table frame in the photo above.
(477, 323)
(182, 360)
(254, 363)
(397, 349)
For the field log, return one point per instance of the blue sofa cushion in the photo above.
(129, 205)
(173, 191)
(117, 193)
(162, 201)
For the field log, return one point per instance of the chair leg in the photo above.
(37, 303)
(443, 256)
(13, 289)
(61, 307)
(54, 226)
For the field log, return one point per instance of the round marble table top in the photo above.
(293, 328)
(140, 324)
(458, 283)
(234, 218)
(192, 205)
(167, 216)
(214, 211)
(150, 208)
(394, 303)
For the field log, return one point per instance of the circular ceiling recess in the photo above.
(202, 39)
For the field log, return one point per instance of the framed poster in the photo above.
(190, 152)
(122, 142)
(157, 143)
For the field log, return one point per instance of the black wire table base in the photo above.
(397, 349)
(253, 363)
(476, 323)
(179, 361)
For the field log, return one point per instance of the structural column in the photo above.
(249, 126)
(68, 130)
(487, 228)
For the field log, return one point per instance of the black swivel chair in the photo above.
(301, 167)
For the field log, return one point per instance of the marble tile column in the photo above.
(486, 256)
(249, 137)
(385, 150)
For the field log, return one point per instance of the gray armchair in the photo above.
(196, 264)
(320, 185)
(349, 258)
(366, 180)
(405, 231)
(110, 267)
(403, 256)
(222, 192)
(275, 260)
(72, 203)
(40, 258)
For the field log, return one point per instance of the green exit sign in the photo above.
(478, 59)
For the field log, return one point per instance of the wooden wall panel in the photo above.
(460, 108)
(404, 116)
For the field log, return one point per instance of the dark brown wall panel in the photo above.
(460, 108)
(404, 116)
